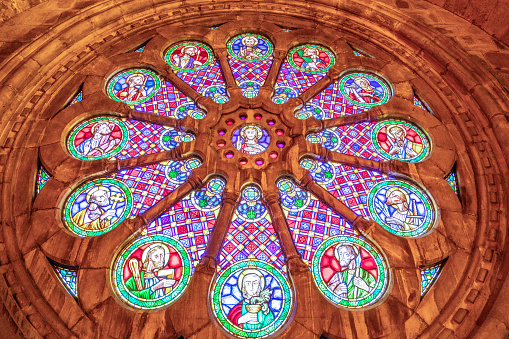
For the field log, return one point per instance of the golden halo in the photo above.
(259, 132)
(157, 244)
(98, 188)
(392, 189)
(133, 76)
(390, 127)
(240, 281)
(249, 37)
(189, 46)
(336, 249)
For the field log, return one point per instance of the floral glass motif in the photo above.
(133, 86)
(429, 275)
(170, 101)
(452, 180)
(400, 140)
(304, 67)
(401, 208)
(251, 296)
(350, 272)
(152, 272)
(419, 103)
(195, 64)
(330, 103)
(108, 137)
(42, 178)
(250, 58)
(365, 89)
(68, 277)
(251, 139)
(192, 219)
(101, 204)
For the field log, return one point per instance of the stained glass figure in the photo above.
(112, 138)
(310, 221)
(191, 220)
(151, 272)
(100, 205)
(364, 89)
(350, 272)
(195, 64)
(77, 98)
(42, 178)
(251, 139)
(396, 139)
(133, 86)
(251, 296)
(330, 103)
(305, 66)
(250, 58)
(401, 208)
(170, 101)
(419, 103)
(452, 180)
(68, 277)
(429, 275)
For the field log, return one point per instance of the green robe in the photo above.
(131, 286)
(263, 320)
(354, 292)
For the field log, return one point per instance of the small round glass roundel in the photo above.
(249, 47)
(401, 208)
(152, 272)
(350, 272)
(189, 56)
(97, 138)
(311, 58)
(364, 89)
(251, 299)
(251, 139)
(400, 140)
(133, 86)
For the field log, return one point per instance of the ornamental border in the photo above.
(269, 52)
(113, 80)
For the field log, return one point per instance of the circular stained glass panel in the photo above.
(189, 56)
(364, 89)
(251, 299)
(400, 140)
(249, 47)
(97, 138)
(152, 272)
(350, 272)
(133, 86)
(97, 207)
(251, 139)
(311, 58)
(401, 208)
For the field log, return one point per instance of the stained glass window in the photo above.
(419, 103)
(452, 180)
(76, 98)
(196, 65)
(42, 178)
(429, 275)
(68, 276)
(251, 296)
(250, 57)
(140, 49)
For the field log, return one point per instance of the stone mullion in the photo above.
(270, 81)
(210, 258)
(170, 75)
(222, 57)
(315, 89)
(281, 227)
(153, 118)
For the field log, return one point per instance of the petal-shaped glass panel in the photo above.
(68, 276)
(429, 275)
(419, 103)
(133, 86)
(304, 66)
(452, 180)
(388, 139)
(251, 296)
(42, 178)
(250, 57)
(365, 89)
(99, 205)
(114, 138)
(196, 65)
(398, 206)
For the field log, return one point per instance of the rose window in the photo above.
(254, 155)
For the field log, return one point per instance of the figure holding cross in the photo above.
(97, 216)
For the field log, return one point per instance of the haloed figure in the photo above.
(249, 49)
(248, 143)
(401, 147)
(405, 215)
(100, 142)
(353, 282)
(96, 216)
(253, 312)
(135, 89)
(188, 58)
(363, 92)
(311, 59)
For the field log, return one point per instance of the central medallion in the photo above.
(251, 139)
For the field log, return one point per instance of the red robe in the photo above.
(235, 314)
